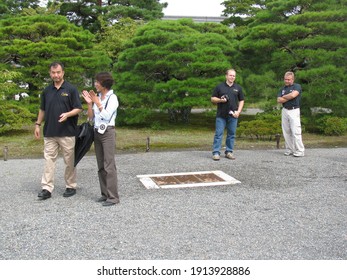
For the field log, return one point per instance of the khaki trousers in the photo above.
(51, 151)
(291, 127)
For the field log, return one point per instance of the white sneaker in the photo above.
(229, 155)
(216, 157)
(298, 154)
(288, 153)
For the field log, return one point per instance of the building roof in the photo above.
(196, 18)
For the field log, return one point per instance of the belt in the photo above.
(111, 126)
(291, 108)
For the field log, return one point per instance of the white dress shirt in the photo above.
(108, 113)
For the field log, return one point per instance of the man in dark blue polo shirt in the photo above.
(289, 96)
(59, 109)
(230, 100)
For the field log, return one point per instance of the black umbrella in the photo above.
(84, 140)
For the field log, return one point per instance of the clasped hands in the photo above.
(90, 97)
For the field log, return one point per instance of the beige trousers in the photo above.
(51, 151)
(291, 127)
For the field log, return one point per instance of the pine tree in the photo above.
(89, 13)
(308, 37)
(172, 66)
(10, 8)
(30, 43)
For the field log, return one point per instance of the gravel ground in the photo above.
(285, 208)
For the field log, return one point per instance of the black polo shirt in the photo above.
(54, 102)
(235, 95)
(288, 89)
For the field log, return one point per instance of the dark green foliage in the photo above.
(10, 8)
(173, 66)
(31, 43)
(306, 37)
(81, 13)
(241, 13)
(264, 126)
(90, 13)
(28, 45)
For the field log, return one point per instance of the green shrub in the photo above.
(13, 117)
(265, 126)
(332, 126)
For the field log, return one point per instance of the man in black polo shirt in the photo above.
(289, 96)
(230, 100)
(60, 106)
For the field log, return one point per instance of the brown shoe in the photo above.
(229, 155)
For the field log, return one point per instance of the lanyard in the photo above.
(106, 106)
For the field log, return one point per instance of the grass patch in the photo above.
(197, 135)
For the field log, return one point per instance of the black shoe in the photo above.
(69, 192)
(44, 194)
(108, 203)
(101, 199)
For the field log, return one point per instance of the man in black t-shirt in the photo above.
(59, 109)
(289, 96)
(230, 100)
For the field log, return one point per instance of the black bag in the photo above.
(84, 140)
